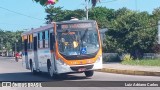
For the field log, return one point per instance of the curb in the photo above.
(129, 72)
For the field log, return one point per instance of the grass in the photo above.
(143, 62)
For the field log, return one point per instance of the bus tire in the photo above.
(89, 73)
(32, 68)
(50, 71)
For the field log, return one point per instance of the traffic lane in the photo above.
(9, 65)
(6, 58)
(28, 76)
(84, 88)
(10, 70)
(122, 77)
(98, 76)
(13, 71)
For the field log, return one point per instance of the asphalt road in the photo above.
(13, 71)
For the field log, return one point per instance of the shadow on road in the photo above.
(42, 77)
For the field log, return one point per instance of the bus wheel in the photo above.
(89, 73)
(50, 71)
(32, 68)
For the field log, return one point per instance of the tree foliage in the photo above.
(8, 40)
(128, 31)
(132, 33)
(57, 14)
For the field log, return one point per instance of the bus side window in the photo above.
(43, 39)
(38, 40)
(28, 43)
(52, 41)
(35, 43)
(46, 39)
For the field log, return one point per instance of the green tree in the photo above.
(54, 14)
(102, 15)
(8, 40)
(156, 14)
(155, 18)
(132, 33)
(1, 38)
(57, 14)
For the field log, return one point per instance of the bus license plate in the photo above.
(82, 69)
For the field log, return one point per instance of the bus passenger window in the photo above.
(46, 39)
(35, 43)
(38, 40)
(31, 41)
(43, 39)
(28, 46)
(52, 41)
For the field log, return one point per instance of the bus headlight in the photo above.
(99, 59)
(60, 61)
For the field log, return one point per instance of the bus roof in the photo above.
(75, 21)
(48, 26)
(37, 29)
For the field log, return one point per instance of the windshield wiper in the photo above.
(84, 35)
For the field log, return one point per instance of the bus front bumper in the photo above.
(64, 68)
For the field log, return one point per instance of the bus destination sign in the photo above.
(76, 25)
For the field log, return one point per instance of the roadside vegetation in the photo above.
(143, 62)
(8, 40)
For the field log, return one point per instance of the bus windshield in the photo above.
(78, 41)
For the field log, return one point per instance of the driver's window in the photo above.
(52, 41)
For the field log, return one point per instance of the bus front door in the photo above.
(25, 55)
(35, 53)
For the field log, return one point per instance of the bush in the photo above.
(143, 62)
(127, 57)
(111, 57)
(156, 48)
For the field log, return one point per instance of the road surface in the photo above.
(13, 71)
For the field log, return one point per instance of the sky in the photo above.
(26, 14)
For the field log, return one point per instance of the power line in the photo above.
(13, 24)
(20, 13)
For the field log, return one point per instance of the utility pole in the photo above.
(86, 9)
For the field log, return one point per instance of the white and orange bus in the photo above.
(63, 47)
